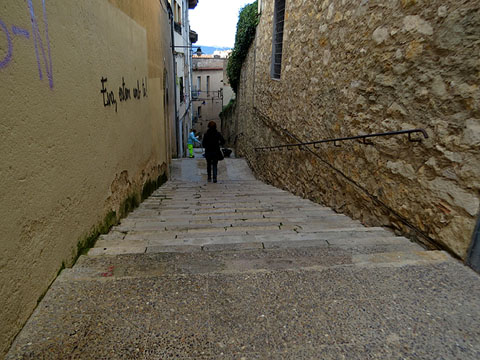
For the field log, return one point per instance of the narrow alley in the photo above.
(243, 270)
(345, 222)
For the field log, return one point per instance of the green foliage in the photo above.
(151, 185)
(246, 27)
(111, 219)
(89, 240)
(227, 109)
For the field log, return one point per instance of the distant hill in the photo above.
(208, 50)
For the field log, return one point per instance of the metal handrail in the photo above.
(363, 137)
(422, 235)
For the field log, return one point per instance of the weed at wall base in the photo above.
(152, 185)
(111, 219)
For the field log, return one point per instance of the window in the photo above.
(277, 46)
(177, 17)
(181, 89)
(179, 14)
(199, 83)
(208, 85)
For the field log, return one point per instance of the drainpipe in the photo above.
(177, 126)
(190, 58)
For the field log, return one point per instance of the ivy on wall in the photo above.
(246, 27)
(227, 110)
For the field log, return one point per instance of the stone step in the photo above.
(187, 209)
(260, 211)
(203, 197)
(204, 291)
(236, 212)
(224, 305)
(232, 206)
(350, 243)
(233, 217)
(268, 234)
(245, 257)
(216, 222)
(297, 240)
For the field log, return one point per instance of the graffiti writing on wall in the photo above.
(124, 93)
(40, 45)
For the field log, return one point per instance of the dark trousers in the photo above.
(212, 162)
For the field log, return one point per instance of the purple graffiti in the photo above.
(39, 43)
(19, 31)
(41, 52)
(8, 57)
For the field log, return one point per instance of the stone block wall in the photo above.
(360, 67)
(84, 126)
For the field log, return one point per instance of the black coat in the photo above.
(211, 142)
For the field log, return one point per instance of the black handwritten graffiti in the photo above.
(108, 97)
(124, 93)
(136, 91)
(144, 87)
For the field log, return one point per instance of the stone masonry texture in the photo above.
(362, 67)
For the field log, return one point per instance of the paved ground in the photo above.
(242, 270)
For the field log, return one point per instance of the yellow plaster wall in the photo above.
(66, 159)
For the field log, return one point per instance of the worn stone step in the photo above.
(279, 233)
(164, 211)
(251, 215)
(225, 221)
(325, 239)
(329, 288)
(291, 241)
(241, 257)
(117, 250)
(367, 245)
(124, 243)
(203, 198)
(273, 232)
(195, 232)
(127, 300)
(352, 244)
(166, 215)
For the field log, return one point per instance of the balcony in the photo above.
(193, 36)
(192, 4)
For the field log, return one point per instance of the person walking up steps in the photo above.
(211, 142)
(192, 138)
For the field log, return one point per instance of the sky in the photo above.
(215, 21)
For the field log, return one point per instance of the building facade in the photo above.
(332, 69)
(182, 52)
(88, 127)
(210, 92)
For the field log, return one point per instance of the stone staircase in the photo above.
(241, 215)
(243, 270)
